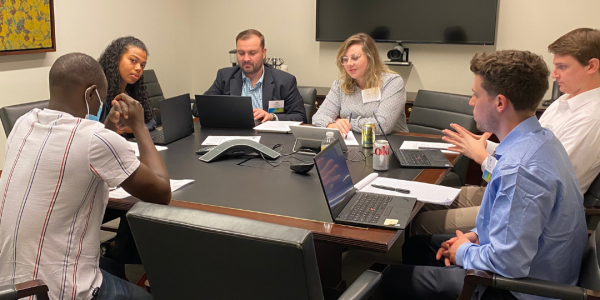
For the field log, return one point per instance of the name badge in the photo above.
(371, 95)
(489, 168)
(276, 107)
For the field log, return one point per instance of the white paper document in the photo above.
(137, 149)
(277, 126)
(120, 193)
(426, 145)
(350, 139)
(213, 140)
(424, 192)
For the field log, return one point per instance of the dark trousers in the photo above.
(423, 277)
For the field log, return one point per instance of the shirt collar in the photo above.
(530, 124)
(246, 79)
(581, 99)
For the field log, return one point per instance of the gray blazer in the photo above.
(277, 85)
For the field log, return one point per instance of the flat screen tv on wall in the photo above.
(409, 21)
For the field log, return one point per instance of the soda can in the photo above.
(381, 155)
(368, 134)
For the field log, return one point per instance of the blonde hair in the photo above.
(375, 67)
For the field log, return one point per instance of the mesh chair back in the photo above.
(10, 114)
(192, 254)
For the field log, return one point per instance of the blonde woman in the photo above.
(365, 86)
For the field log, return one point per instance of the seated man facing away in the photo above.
(59, 165)
(531, 222)
(574, 119)
(251, 77)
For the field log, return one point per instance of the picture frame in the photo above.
(27, 27)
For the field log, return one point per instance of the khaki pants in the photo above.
(440, 219)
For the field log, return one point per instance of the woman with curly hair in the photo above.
(123, 62)
(365, 87)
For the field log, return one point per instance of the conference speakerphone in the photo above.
(239, 147)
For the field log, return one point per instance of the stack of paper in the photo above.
(120, 193)
(427, 145)
(213, 140)
(424, 192)
(276, 126)
(137, 149)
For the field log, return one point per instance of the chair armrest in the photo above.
(32, 287)
(8, 292)
(363, 287)
(529, 286)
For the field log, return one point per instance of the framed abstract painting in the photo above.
(26, 26)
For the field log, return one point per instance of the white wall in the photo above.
(89, 26)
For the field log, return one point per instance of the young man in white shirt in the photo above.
(59, 165)
(574, 119)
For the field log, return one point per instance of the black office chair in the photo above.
(433, 112)
(24, 289)
(309, 95)
(588, 286)
(192, 254)
(10, 114)
(155, 93)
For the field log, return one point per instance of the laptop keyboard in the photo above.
(368, 208)
(413, 158)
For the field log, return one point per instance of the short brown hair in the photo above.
(582, 43)
(246, 34)
(520, 76)
(375, 68)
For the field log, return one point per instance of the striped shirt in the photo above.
(389, 109)
(58, 170)
(256, 92)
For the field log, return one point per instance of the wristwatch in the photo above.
(273, 117)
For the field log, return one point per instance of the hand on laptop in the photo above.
(467, 143)
(343, 125)
(260, 114)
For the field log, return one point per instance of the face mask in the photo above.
(97, 116)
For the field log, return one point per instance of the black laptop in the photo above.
(422, 158)
(224, 111)
(176, 119)
(347, 205)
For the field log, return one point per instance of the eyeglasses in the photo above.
(354, 57)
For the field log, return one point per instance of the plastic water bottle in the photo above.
(328, 140)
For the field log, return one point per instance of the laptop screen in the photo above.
(334, 175)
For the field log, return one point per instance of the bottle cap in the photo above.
(329, 133)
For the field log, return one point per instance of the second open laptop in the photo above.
(225, 111)
(176, 119)
(349, 206)
(409, 158)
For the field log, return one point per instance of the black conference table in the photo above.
(251, 188)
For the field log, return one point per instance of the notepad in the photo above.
(120, 193)
(276, 126)
(424, 192)
(213, 140)
(427, 145)
(350, 139)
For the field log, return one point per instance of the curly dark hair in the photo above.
(109, 60)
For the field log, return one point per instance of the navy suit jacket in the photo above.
(277, 85)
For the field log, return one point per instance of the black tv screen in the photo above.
(409, 21)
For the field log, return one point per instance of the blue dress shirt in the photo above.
(256, 92)
(531, 222)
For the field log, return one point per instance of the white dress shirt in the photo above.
(576, 123)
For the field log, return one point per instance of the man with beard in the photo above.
(251, 77)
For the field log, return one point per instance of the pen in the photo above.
(349, 121)
(388, 188)
(432, 148)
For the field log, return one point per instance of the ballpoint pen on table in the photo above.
(389, 188)
(349, 121)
